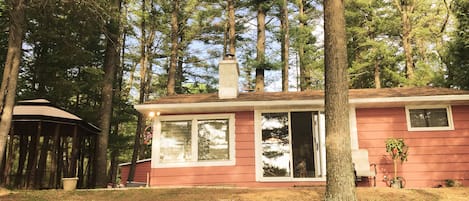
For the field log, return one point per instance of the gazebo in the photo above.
(46, 144)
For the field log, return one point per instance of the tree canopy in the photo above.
(389, 44)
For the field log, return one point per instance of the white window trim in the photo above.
(258, 148)
(449, 114)
(157, 133)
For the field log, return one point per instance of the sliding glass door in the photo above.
(292, 145)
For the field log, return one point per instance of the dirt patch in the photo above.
(4, 191)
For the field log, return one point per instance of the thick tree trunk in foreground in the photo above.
(340, 178)
(10, 73)
(111, 64)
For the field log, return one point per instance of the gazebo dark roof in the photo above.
(41, 110)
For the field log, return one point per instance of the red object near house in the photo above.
(276, 139)
(143, 168)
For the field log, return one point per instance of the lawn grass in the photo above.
(233, 194)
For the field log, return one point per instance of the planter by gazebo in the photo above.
(70, 184)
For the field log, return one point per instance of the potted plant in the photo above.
(398, 151)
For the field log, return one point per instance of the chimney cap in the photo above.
(229, 57)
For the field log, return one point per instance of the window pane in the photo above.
(175, 141)
(213, 140)
(275, 145)
(428, 117)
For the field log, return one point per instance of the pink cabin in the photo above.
(277, 139)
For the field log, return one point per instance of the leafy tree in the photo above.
(340, 178)
(372, 54)
(458, 50)
(311, 65)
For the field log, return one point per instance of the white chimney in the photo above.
(228, 78)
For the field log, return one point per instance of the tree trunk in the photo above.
(260, 48)
(285, 43)
(179, 67)
(11, 158)
(377, 75)
(135, 154)
(305, 75)
(232, 26)
(406, 8)
(174, 49)
(10, 72)
(340, 178)
(111, 63)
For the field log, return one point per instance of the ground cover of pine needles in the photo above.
(231, 194)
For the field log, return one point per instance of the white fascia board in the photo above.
(410, 99)
(241, 104)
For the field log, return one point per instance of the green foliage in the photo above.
(397, 149)
(374, 30)
(458, 48)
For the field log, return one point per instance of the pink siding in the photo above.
(141, 171)
(241, 174)
(434, 156)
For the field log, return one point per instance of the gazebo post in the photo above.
(41, 167)
(74, 154)
(54, 157)
(32, 156)
(60, 162)
(91, 162)
(81, 162)
(21, 160)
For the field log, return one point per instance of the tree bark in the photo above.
(111, 63)
(406, 8)
(10, 72)
(232, 26)
(285, 44)
(11, 156)
(377, 75)
(340, 178)
(174, 49)
(301, 47)
(260, 48)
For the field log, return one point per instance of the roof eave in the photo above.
(232, 106)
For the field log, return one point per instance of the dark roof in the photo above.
(309, 95)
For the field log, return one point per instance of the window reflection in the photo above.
(429, 117)
(175, 141)
(213, 140)
(275, 145)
